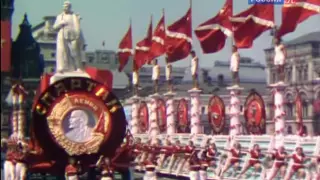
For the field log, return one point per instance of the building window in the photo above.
(304, 109)
(220, 79)
(299, 75)
(53, 55)
(289, 110)
(90, 59)
(203, 110)
(105, 58)
(288, 77)
(289, 130)
(273, 79)
(305, 74)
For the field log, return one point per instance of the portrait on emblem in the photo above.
(78, 125)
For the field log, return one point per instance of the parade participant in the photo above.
(280, 59)
(107, 171)
(211, 154)
(150, 166)
(9, 148)
(194, 166)
(188, 150)
(234, 66)
(72, 170)
(194, 69)
(255, 155)
(135, 82)
(297, 167)
(233, 159)
(21, 160)
(145, 150)
(175, 158)
(204, 164)
(155, 75)
(279, 163)
(168, 75)
(165, 152)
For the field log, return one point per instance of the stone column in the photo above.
(234, 112)
(171, 118)
(15, 113)
(153, 118)
(195, 111)
(21, 115)
(134, 115)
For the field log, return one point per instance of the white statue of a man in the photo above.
(78, 123)
(68, 40)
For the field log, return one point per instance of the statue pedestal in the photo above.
(170, 109)
(195, 111)
(59, 76)
(153, 120)
(235, 111)
(134, 124)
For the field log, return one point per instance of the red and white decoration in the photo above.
(179, 38)
(279, 113)
(250, 24)
(195, 111)
(153, 120)
(142, 50)
(213, 33)
(295, 13)
(234, 112)
(134, 117)
(171, 121)
(158, 39)
(125, 49)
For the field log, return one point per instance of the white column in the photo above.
(279, 113)
(195, 111)
(21, 117)
(153, 118)
(134, 116)
(234, 111)
(170, 111)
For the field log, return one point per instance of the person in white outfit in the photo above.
(234, 66)
(168, 75)
(194, 69)
(155, 75)
(280, 59)
(135, 82)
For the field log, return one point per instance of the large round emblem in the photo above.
(80, 116)
(161, 113)
(182, 116)
(216, 114)
(255, 114)
(143, 117)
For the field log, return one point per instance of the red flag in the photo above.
(125, 49)
(250, 24)
(213, 33)
(5, 46)
(299, 114)
(295, 13)
(159, 35)
(179, 38)
(142, 50)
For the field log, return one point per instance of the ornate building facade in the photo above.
(302, 70)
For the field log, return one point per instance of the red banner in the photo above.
(255, 114)
(5, 46)
(182, 116)
(143, 117)
(216, 114)
(162, 115)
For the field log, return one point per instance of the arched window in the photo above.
(289, 130)
(305, 74)
(304, 99)
(289, 105)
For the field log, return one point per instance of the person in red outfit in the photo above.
(194, 166)
(254, 161)
(175, 158)
(204, 164)
(165, 152)
(150, 167)
(107, 170)
(279, 163)
(188, 150)
(233, 159)
(72, 170)
(298, 158)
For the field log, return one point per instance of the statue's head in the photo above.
(277, 41)
(67, 6)
(193, 53)
(234, 48)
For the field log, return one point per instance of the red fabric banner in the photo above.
(143, 117)
(213, 33)
(5, 46)
(158, 38)
(125, 49)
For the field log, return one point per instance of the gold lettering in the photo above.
(47, 98)
(41, 110)
(75, 84)
(112, 102)
(103, 93)
(114, 109)
(60, 88)
(91, 85)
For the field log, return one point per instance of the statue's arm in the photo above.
(76, 20)
(59, 23)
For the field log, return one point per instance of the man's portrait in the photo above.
(78, 126)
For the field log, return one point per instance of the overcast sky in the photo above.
(108, 20)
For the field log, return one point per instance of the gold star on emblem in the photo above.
(2, 42)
